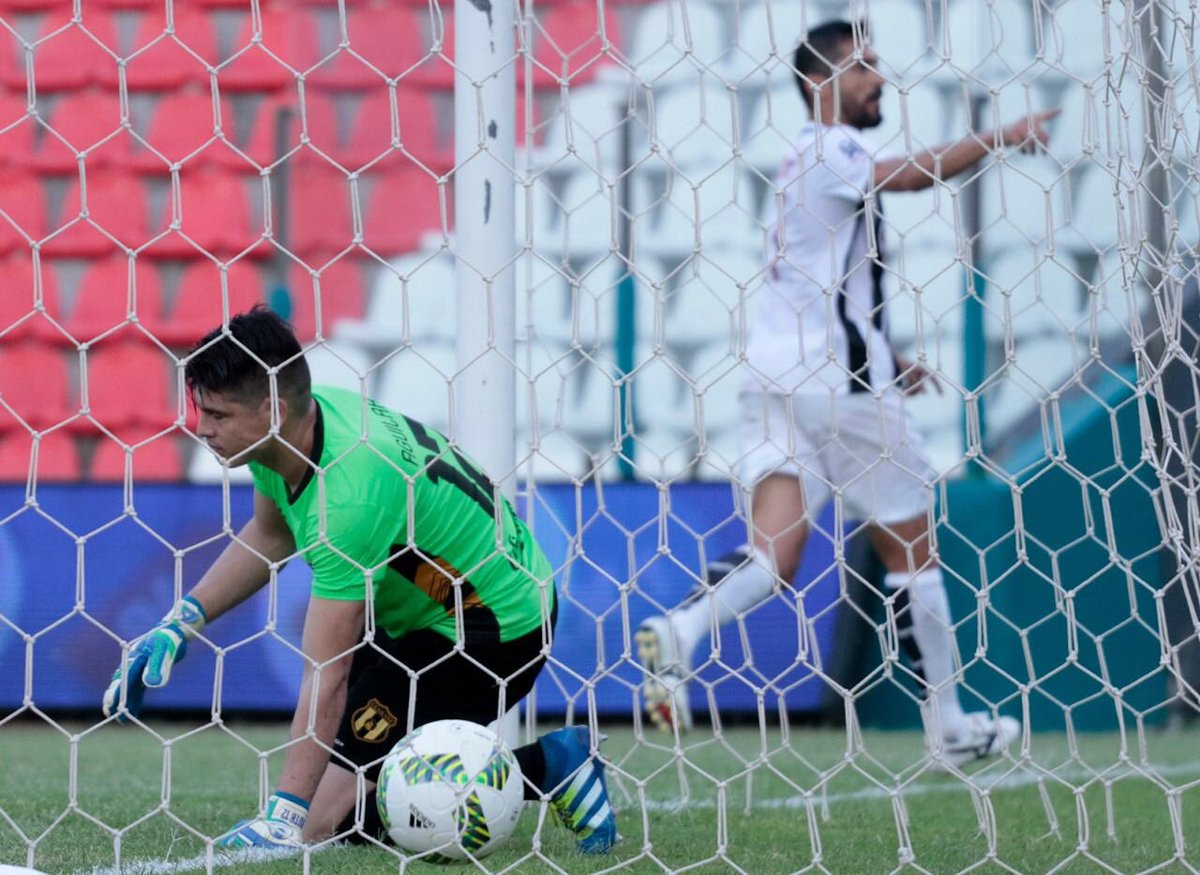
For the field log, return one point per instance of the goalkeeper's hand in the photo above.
(149, 660)
(281, 828)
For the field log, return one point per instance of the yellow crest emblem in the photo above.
(373, 722)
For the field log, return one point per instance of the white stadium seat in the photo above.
(342, 364)
(674, 39)
(1021, 201)
(986, 42)
(760, 29)
(901, 34)
(417, 382)
(1098, 205)
(579, 222)
(1075, 37)
(696, 127)
(413, 299)
(204, 467)
(588, 122)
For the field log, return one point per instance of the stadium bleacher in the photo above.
(343, 127)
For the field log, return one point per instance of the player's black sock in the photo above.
(904, 633)
(372, 825)
(532, 760)
(721, 567)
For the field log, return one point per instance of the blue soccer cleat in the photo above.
(580, 795)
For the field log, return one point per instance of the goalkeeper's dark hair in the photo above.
(821, 50)
(234, 361)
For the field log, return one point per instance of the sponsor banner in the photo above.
(80, 572)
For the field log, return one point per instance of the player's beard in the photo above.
(868, 115)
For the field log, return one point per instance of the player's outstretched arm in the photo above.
(917, 172)
(240, 571)
(332, 629)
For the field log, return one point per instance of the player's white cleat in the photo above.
(978, 738)
(665, 689)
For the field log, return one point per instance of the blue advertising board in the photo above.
(80, 570)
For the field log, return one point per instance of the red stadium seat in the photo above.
(567, 44)
(318, 210)
(199, 304)
(17, 302)
(19, 7)
(160, 61)
(320, 122)
(158, 460)
(116, 203)
(34, 382)
(214, 216)
(57, 457)
(389, 228)
(102, 301)
(80, 121)
(17, 130)
(287, 37)
(12, 60)
(22, 212)
(340, 289)
(76, 56)
(183, 126)
(130, 386)
(395, 41)
(130, 5)
(258, 144)
(371, 133)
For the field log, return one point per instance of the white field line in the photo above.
(220, 859)
(992, 783)
(225, 859)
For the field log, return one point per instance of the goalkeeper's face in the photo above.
(234, 428)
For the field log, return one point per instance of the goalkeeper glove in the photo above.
(281, 828)
(149, 660)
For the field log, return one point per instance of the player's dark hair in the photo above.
(234, 361)
(821, 49)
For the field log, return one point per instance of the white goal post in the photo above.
(547, 229)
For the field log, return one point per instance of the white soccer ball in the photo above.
(451, 790)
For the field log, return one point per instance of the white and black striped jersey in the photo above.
(821, 325)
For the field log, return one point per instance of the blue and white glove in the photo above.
(149, 660)
(281, 828)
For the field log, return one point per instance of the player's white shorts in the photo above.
(867, 448)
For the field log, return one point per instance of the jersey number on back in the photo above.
(466, 477)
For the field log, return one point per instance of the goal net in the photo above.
(552, 240)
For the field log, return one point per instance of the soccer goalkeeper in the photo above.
(386, 512)
(823, 408)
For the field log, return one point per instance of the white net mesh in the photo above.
(165, 166)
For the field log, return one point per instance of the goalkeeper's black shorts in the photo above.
(447, 685)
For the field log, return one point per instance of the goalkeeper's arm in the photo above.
(241, 570)
(332, 629)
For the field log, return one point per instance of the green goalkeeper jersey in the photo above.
(392, 502)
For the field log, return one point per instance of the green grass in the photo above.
(734, 803)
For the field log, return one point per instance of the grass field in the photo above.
(744, 802)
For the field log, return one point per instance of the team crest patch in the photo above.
(851, 149)
(373, 722)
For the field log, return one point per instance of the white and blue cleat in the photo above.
(580, 797)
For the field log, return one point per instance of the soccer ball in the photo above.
(450, 790)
